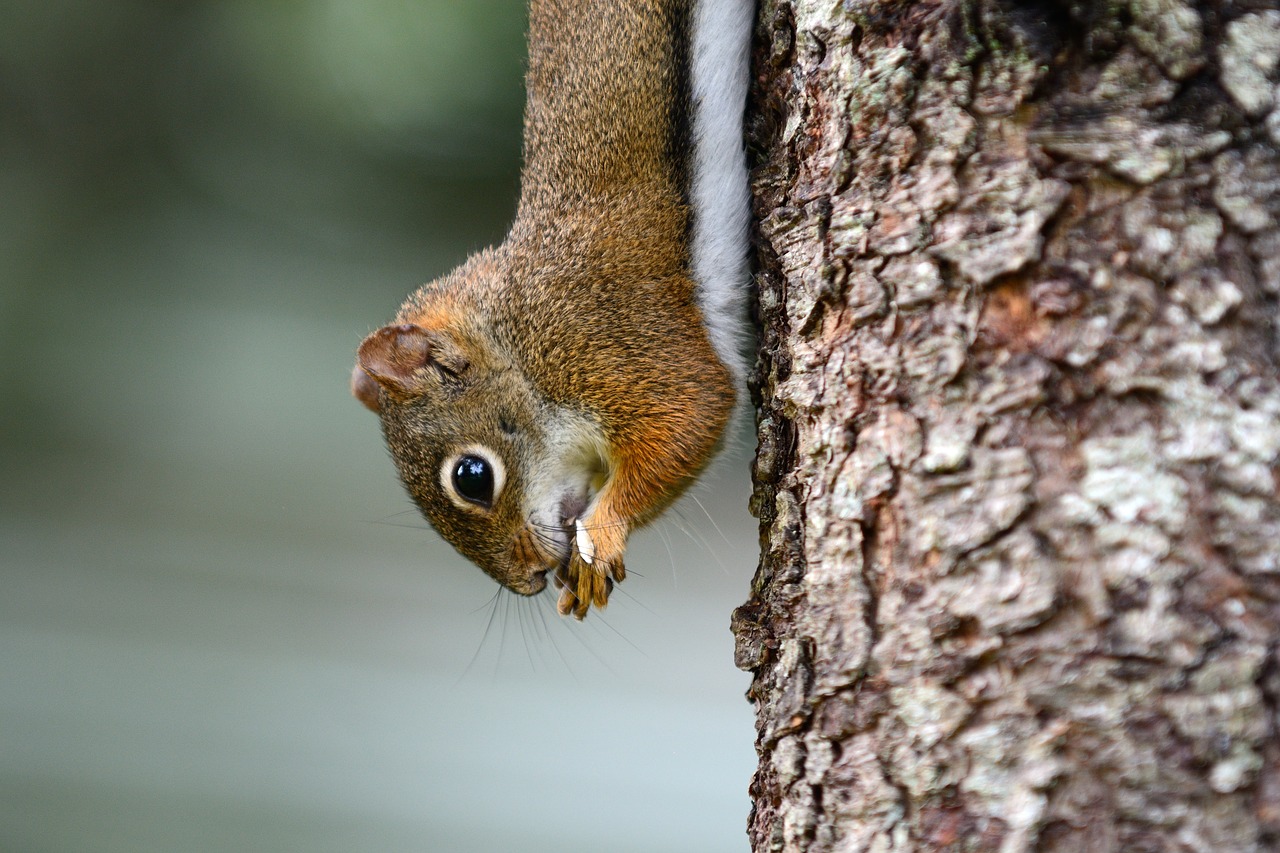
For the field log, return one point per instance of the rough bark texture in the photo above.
(1020, 424)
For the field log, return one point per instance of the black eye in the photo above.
(473, 478)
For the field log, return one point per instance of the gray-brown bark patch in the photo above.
(1020, 428)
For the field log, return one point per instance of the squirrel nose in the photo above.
(537, 582)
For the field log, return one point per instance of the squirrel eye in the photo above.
(473, 480)
(472, 477)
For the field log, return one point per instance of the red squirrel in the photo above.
(556, 392)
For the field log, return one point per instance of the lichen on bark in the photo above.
(1020, 427)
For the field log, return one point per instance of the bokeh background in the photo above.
(222, 626)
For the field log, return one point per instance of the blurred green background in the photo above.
(222, 626)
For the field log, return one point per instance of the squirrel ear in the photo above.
(390, 357)
(365, 389)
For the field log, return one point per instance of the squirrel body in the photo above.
(559, 390)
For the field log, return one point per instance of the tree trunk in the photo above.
(1020, 423)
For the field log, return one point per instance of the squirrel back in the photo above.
(563, 388)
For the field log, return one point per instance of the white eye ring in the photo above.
(473, 478)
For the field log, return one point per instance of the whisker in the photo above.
(600, 525)
(502, 637)
(546, 538)
(725, 539)
(542, 616)
(577, 635)
(413, 510)
(617, 588)
(493, 610)
(710, 518)
(520, 612)
(671, 557)
(621, 636)
(491, 600)
(685, 525)
(422, 526)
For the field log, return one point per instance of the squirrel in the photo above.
(558, 391)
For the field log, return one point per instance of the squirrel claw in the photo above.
(592, 587)
(585, 583)
(564, 604)
(594, 564)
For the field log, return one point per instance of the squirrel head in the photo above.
(498, 470)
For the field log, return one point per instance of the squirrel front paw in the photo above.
(594, 565)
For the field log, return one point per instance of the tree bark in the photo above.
(1019, 433)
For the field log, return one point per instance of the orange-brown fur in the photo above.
(587, 306)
